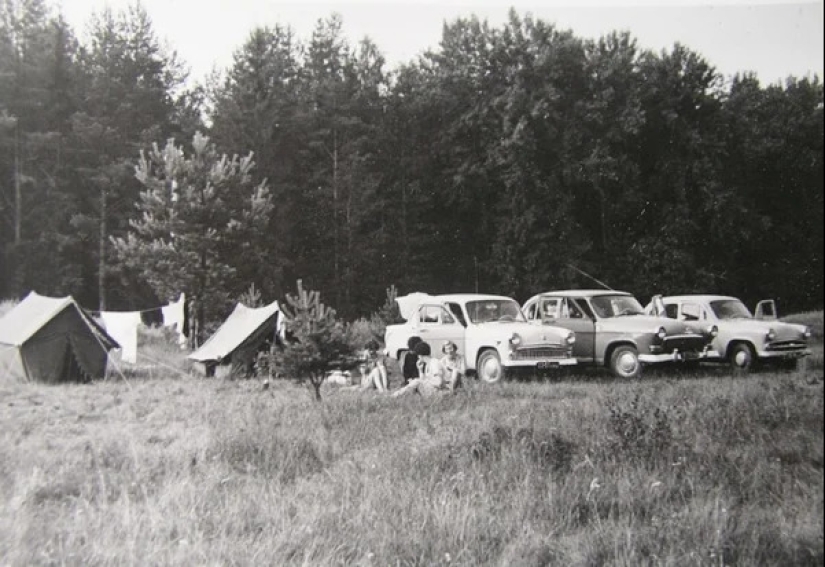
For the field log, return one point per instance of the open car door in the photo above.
(765, 309)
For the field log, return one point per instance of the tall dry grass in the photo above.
(702, 468)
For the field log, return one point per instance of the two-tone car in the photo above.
(489, 330)
(744, 338)
(613, 331)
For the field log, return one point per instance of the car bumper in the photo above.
(788, 354)
(540, 364)
(677, 356)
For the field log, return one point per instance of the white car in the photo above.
(490, 331)
(743, 338)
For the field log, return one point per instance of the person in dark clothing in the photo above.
(409, 361)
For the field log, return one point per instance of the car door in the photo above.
(575, 315)
(436, 326)
(765, 309)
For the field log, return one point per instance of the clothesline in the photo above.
(123, 325)
(148, 310)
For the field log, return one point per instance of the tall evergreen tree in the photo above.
(127, 103)
(259, 106)
(199, 219)
(37, 82)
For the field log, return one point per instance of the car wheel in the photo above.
(624, 362)
(489, 367)
(741, 357)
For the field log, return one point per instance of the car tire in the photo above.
(489, 368)
(741, 357)
(624, 362)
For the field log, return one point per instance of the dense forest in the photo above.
(504, 160)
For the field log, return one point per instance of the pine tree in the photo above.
(316, 340)
(199, 219)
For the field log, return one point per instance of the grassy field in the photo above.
(158, 467)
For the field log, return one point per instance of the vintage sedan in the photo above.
(489, 330)
(743, 338)
(613, 331)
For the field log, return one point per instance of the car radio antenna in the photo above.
(582, 272)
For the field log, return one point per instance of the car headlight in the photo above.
(771, 335)
(515, 340)
(570, 338)
(807, 333)
(661, 334)
(713, 331)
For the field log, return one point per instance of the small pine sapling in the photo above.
(316, 341)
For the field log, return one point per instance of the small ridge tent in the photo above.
(233, 347)
(52, 339)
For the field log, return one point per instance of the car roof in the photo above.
(698, 297)
(465, 297)
(583, 292)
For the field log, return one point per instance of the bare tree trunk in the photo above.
(316, 386)
(18, 195)
(101, 268)
(336, 260)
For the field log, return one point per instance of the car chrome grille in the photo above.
(786, 345)
(541, 353)
(685, 343)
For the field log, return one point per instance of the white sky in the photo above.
(774, 39)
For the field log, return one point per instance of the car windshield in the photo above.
(488, 310)
(607, 306)
(730, 309)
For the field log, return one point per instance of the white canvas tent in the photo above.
(233, 347)
(52, 339)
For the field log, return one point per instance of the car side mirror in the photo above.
(765, 309)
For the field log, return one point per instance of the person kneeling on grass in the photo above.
(432, 376)
(373, 369)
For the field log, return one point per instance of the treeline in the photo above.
(506, 160)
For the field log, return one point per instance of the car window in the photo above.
(455, 309)
(581, 305)
(447, 318)
(551, 308)
(607, 306)
(531, 310)
(691, 312)
(430, 314)
(487, 310)
(672, 310)
(730, 309)
(573, 310)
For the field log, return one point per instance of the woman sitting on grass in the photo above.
(454, 365)
(373, 369)
(432, 376)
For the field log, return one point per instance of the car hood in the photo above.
(784, 331)
(530, 334)
(649, 324)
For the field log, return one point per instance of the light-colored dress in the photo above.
(455, 370)
(433, 380)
